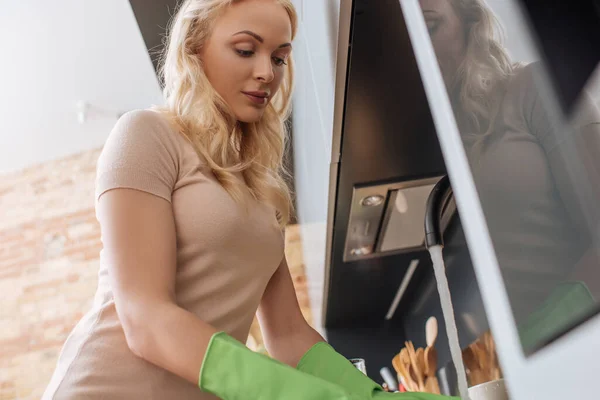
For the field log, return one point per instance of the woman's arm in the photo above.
(139, 238)
(286, 333)
(138, 234)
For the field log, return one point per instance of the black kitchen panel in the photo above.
(567, 30)
(373, 343)
(388, 136)
(153, 18)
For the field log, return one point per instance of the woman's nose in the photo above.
(264, 70)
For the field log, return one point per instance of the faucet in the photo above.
(434, 241)
(436, 203)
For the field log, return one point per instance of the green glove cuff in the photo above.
(231, 371)
(411, 396)
(208, 372)
(322, 361)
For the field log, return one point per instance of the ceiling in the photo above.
(60, 55)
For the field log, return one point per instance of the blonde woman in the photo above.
(520, 160)
(191, 203)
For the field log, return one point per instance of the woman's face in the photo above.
(246, 54)
(447, 35)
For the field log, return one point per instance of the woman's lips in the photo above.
(257, 98)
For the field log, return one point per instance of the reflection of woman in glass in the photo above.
(518, 158)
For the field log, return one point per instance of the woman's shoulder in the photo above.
(149, 121)
(148, 129)
(142, 152)
(523, 77)
(140, 137)
(523, 90)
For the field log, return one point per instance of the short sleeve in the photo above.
(140, 153)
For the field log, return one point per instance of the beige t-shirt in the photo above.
(225, 258)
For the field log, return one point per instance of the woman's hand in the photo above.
(231, 371)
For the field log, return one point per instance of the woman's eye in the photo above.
(432, 26)
(244, 53)
(279, 61)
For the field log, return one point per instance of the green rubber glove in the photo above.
(324, 362)
(410, 396)
(231, 371)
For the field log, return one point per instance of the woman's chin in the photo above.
(250, 114)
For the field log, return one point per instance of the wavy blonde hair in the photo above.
(254, 149)
(479, 85)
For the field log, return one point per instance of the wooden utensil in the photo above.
(415, 364)
(431, 331)
(410, 378)
(403, 373)
(400, 370)
(431, 382)
(421, 360)
(404, 384)
(396, 363)
(432, 385)
(470, 359)
(484, 360)
(404, 358)
(429, 386)
(476, 361)
(491, 347)
(414, 378)
(476, 377)
(471, 364)
(411, 373)
(430, 361)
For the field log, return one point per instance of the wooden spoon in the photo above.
(430, 361)
(431, 331)
(431, 384)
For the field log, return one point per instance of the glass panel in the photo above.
(535, 165)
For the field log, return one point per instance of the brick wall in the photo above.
(49, 258)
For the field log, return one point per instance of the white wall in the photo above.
(520, 50)
(315, 49)
(56, 53)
